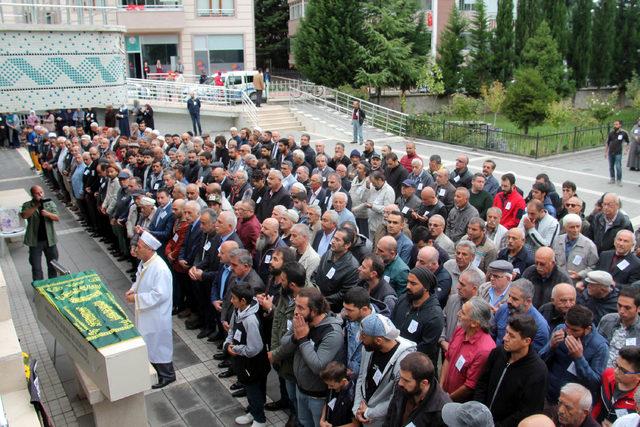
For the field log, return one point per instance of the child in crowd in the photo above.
(248, 353)
(337, 409)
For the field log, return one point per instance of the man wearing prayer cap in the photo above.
(418, 315)
(384, 348)
(153, 298)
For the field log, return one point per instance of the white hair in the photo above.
(571, 219)
(585, 395)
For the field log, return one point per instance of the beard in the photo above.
(410, 393)
(261, 243)
(414, 297)
(370, 347)
(286, 291)
(513, 310)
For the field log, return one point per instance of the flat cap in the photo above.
(600, 277)
(502, 266)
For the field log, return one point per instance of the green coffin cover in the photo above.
(90, 307)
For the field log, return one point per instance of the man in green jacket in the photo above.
(40, 235)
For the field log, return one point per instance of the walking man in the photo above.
(40, 236)
(613, 152)
(357, 119)
(193, 105)
(152, 294)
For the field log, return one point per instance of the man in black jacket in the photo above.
(513, 384)
(606, 224)
(276, 195)
(418, 315)
(338, 269)
(621, 262)
(417, 387)
(394, 173)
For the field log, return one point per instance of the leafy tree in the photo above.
(559, 113)
(527, 99)
(529, 16)
(541, 54)
(503, 41)
(328, 46)
(579, 54)
(627, 41)
(272, 41)
(602, 108)
(450, 51)
(478, 72)
(494, 97)
(557, 17)
(397, 45)
(464, 107)
(602, 42)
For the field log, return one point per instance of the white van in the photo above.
(240, 81)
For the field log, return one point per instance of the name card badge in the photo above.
(386, 278)
(460, 363)
(577, 259)
(420, 186)
(405, 210)
(572, 369)
(456, 179)
(175, 237)
(207, 246)
(413, 327)
(507, 206)
(630, 341)
(267, 259)
(377, 376)
(332, 403)
(619, 137)
(442, 192)
(330, 273)
(163, 214)
(238, 335)
(623, 264)
(259, 200)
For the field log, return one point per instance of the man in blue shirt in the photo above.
(576, 353)
(520, 302)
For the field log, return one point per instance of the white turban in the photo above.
(150, 241)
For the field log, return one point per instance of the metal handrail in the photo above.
(174, 92)
(380, 117)
(151, 7)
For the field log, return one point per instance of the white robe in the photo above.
(153, 290)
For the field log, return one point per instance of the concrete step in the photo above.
(279, 124)
(275, 114)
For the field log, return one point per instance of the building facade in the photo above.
(199, 36)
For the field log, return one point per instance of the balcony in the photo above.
(215, 12)
(140, 16)
(151, 6)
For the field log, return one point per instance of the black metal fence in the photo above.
(485, 137)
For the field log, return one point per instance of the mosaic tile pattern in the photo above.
(49, 70)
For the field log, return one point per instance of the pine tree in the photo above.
(450, 51)
(527, 99)
(478, 72)
(579, 55)
(272, 41)
(502, 42)
(397, 44)
(328, 46)
(541, 54)
(602, 43)
(627, 41)
(529, 16)
(557, 17)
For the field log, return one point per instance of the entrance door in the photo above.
(135, 66)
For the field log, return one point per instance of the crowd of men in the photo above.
(382, 290)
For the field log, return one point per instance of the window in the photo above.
(425, 4)
(296, 10)
(151, 4)
(215, 8)
(467, 5)
(218, 53)
(160, 47)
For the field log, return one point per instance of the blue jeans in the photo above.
(256, 396)
(357, 131)
(309, 409)
(292, 393)
(615, 166)
(195, 120)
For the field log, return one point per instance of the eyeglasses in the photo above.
(571, 205)
(624, 371)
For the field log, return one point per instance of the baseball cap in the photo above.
(468, 414)
(377, 325)
(408, 182)
(355, 153)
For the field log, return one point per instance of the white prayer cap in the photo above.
(147, 201)
(150, 241)
(156, 132)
